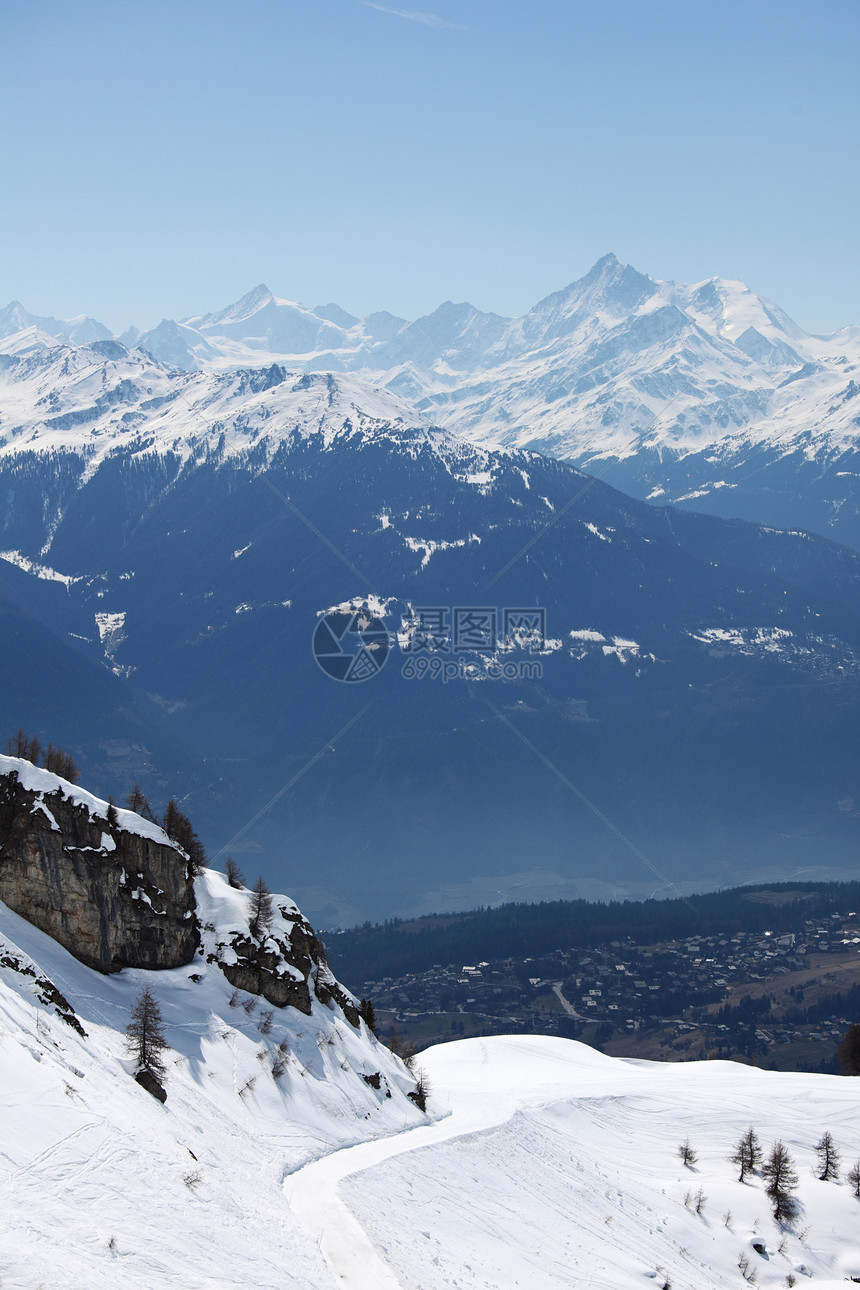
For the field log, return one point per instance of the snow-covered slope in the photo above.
(102, 1185)
(559, 1167)
(97, 400)
(556, 1167)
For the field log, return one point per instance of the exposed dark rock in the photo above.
(374, 1080)
(335, 991)
(116, 898)
(284, 969)
(111, 897)
(46, 992)
(261, 969)
(147, 1080)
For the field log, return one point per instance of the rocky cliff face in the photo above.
(109, 886)
(284, 966)
(114, 890)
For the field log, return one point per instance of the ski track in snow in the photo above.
(557, 1166)
(542, 1164)
(313, 1196)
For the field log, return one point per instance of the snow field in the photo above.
(580, 1184)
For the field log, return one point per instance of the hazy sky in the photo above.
(162, 158)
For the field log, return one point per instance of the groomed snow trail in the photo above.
(474, 1094)
(557, 1167)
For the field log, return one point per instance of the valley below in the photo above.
(781, 999)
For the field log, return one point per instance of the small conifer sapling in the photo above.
(687, 1154)
(828, 1158)
(262, 910)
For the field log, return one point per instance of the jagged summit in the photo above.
(14, 313)
(609, 284)
(243, 308)
(78, 330)
(104, 396)
(334, 314)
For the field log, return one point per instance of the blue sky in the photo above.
(162, 158)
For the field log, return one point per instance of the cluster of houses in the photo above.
(674, 994)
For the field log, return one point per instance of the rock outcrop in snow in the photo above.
(110, 886)
(286, 966)
(117, 892)
(102, 1184)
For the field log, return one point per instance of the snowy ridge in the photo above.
(44, 783)
(586, 371)
(89, 401)
(97, 401)
(616, 370)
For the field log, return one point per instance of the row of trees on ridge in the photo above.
(54, 759)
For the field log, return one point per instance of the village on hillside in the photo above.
(780, 1001)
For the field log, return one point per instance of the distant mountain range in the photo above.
(170, 540)
(707, 396)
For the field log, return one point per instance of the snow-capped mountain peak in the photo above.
(78, 330)
(241, 310)
(610, 287)
(672, 387)
(96, 400)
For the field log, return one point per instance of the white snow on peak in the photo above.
(77, 400)
(613, 363)
(90, 403)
